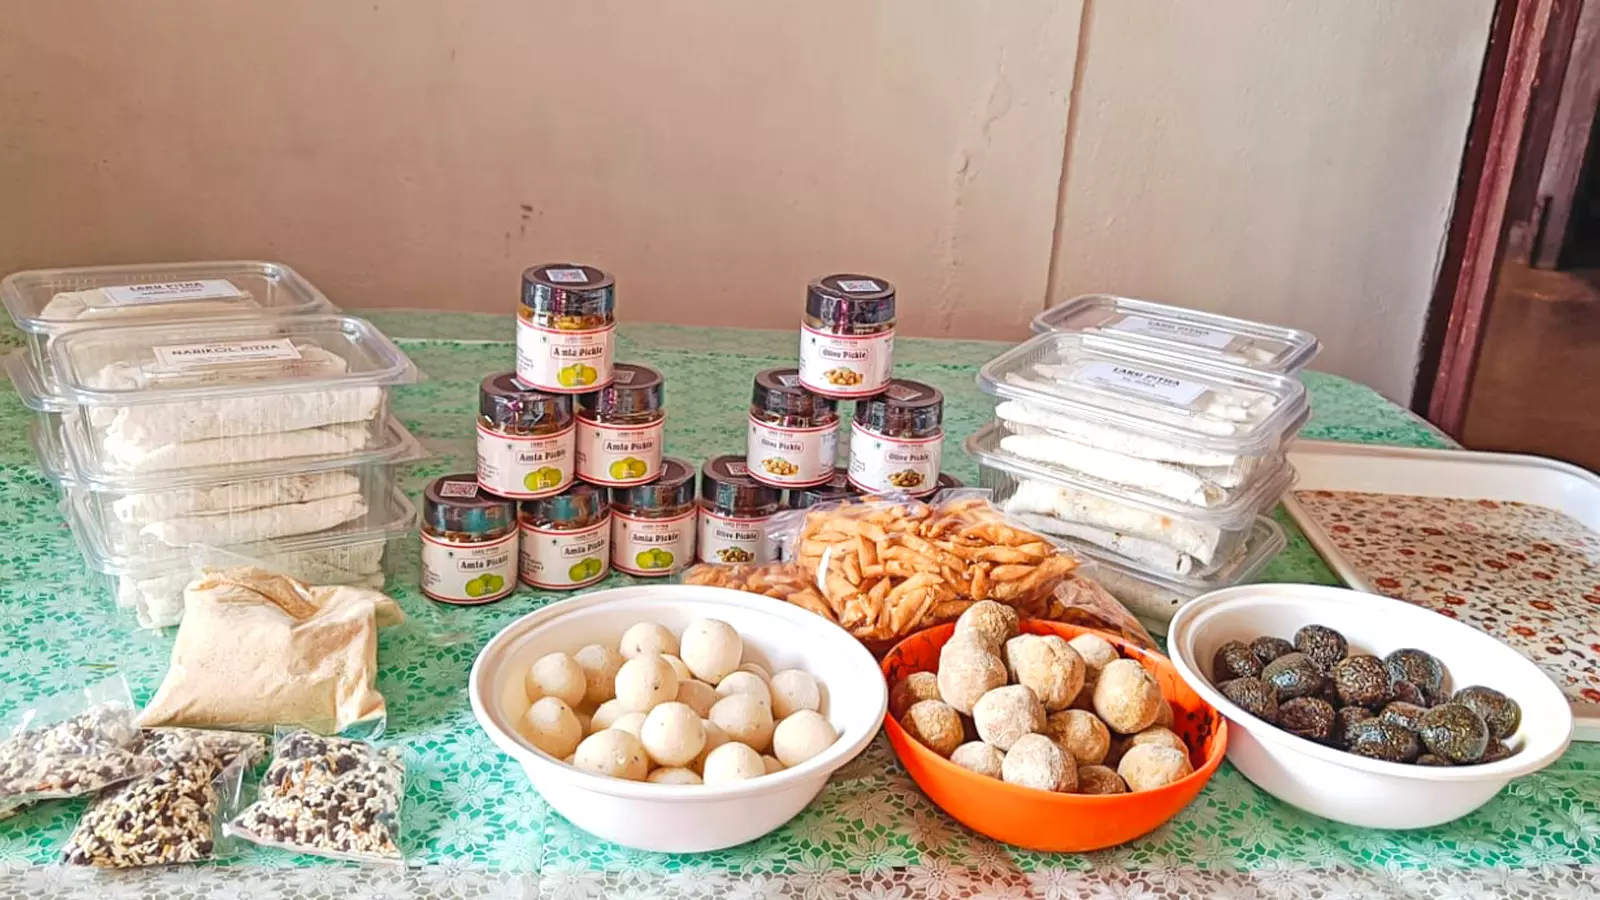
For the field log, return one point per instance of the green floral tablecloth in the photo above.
(474, 826)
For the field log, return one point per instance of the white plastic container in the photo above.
(45, 303)
(1331, 783)
(681, 818)
(1266, 348)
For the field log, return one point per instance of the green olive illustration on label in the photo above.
(584, 569)
(653, 559)
(628, 468)
(543, 479)
(577, 375)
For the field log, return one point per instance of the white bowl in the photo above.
(681, 818)
(1342, 786)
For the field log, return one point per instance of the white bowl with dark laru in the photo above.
(1321, 776)
(676, 817)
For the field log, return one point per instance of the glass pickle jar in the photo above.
(566, 539)
(525, 439)
(897, 438)
(793, 434)
(469, 542)
(565, 328)
(620, 429)
(835, 488)
(847, 337)
(734, 511)
(653, 525)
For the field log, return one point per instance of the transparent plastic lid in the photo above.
(1261, 493)
(173, 362)
(1268, 348)
(1264, 541)
(1147, 391)
(49, 301)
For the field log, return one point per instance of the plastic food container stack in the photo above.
(1161, 465)
(255, 428)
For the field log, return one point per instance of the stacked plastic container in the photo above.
(1152, 437)
(218, 410)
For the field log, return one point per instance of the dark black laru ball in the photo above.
(1294, 675)
(1309, 717)
(1496, 751)
(1322, 644)
(1499, 712)
(1234, 660)
(1362, 681)
(1406, 692)
(1377, 739)
(1419, 668)
(1343, 718)
(1268, 649)
(1455, 732)
(1254, 696)
(1406, 715)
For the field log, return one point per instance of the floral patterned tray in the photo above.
(1509, 544)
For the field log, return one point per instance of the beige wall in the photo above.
(1289, 159)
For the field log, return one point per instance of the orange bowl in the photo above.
(1041, 820)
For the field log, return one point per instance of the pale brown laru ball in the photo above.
(1100, 780)
(1096, 651)
(1161, 737)
(936, 724)
(1126, 697)
(1081, 734)
(967, 672)
(1146, 767)
(979, 757)
(1048, 665)
(911, 689)
(995, 622)
(1007, 713)
(1035, 761)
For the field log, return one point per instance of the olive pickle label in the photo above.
(729, 539)
(651, 547)
(908, 465)
(791, 457)
(468, 574)
(845, 365)
(566, 558)
(563, 361)
(619, 455)
(525, 466)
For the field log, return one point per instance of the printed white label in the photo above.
(1183, 333)
(224, 353)
(617, 456)
(557, 559)
(469, 574)
(651, 547)
(839, 366)
(525, 466)
(858, 285)
(458, 489)
(564, 362)
(725, 540)
(879, 463)
(791, 457)
(171, 292)
(567, 276)
(1128, 379)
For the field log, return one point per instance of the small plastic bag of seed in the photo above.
(70, 744)
(172, 815)
(327, 796)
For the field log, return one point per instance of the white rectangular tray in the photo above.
(1457, 474)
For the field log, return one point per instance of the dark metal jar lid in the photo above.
(459, 503)
(836, 488)
(503, 400)
(578, 506)
(674, 488)
(844, 301)
(947, 482)
(725, 483)
(633, 389)
(569, 289)
(906, 409)
(779, 392)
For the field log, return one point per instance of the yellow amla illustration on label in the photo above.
(655, 558)
(577, 375)
(485, 584)
(542, 479)
(628, 468)
(584, 569)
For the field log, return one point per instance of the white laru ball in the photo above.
(647, 638)
(732, 762)
(794, 690)
(711, 649)
(699, 695)
(615, 753)
(556, 675)
(645, 682)
(745, 683)
(672, 734)
(677, 666)
(551, 726)
(772, 763)
(715, 737)
(600, 664)
(632, 723)
(606, 715)
(745, 719)
(802, 736)
(672, 775)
